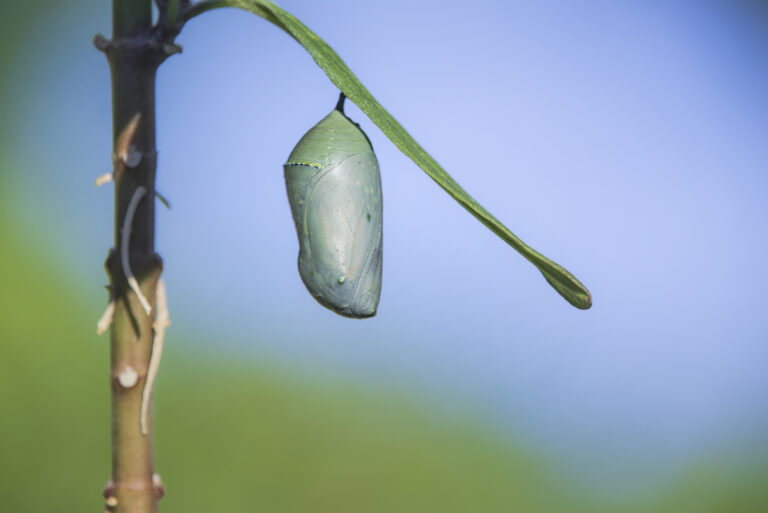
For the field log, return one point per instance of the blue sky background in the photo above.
(628, 141)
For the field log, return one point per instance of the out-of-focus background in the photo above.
(626, 140)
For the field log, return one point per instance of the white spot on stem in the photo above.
(128, 378)
(131, 157)
(162, 321)
(125, 246)
(111, 501)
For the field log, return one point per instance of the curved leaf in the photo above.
(557, 276)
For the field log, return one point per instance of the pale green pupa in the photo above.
(334, 188)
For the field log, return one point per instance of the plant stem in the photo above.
(134, 54)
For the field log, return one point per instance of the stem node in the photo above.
(101, 43)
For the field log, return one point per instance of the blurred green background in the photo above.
(255, 430)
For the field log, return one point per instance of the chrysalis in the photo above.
(334, 187)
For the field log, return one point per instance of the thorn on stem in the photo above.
(105, 178)
(172, 48)
(101, 43)
(163, 200)
(106, 319)
(162, 321)
(109, 177)
(109, 489)
(125, 247)
(123, 149)
(157, 484)
(111, 501)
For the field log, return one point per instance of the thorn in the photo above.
(128, 378)
(162, 321)
(157, 484)
(172, 48)
(111, 501)
(101, 43)
(109, 488)
(143, 300)
(123, 149)
(106, 319)
(163, 200)
(105, 178)
(125, 246)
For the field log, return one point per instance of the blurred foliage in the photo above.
(230, 436)
(236, 436)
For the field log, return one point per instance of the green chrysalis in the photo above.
(334, 188)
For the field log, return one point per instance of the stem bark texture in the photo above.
(134, 54)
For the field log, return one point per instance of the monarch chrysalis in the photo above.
(334, 188)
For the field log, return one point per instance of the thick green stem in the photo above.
(134, 54)
(130, 17)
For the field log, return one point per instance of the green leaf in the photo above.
(557, 276)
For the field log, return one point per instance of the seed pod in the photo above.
(334, 188)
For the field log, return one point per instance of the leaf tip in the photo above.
(585, 303)
(571, 289)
